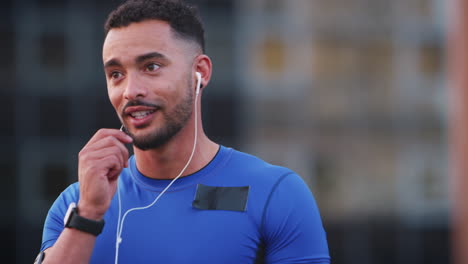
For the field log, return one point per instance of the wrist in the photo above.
(89, 212)
(73, 219)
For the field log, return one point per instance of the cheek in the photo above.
(114, 97)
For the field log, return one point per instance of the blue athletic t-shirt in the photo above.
(237, 209)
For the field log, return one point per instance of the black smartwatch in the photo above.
(73, 220)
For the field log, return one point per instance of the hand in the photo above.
(99, 165)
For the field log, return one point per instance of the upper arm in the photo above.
(53, 225)
(292, 226)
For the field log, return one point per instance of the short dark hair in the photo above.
(183, 18)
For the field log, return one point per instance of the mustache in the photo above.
(140, 103)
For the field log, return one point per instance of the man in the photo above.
(181, 198)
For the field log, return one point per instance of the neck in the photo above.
(167, 161)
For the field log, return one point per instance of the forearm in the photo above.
(73, 246)
(100, 164)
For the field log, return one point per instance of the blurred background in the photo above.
(350, 94)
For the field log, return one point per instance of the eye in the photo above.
(152, 67)
(115, 75)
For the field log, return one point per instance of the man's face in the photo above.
(148, 72)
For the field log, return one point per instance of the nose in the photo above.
(134, 88)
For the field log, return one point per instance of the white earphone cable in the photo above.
(119, 222)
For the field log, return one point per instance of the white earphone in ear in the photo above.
(198, 81)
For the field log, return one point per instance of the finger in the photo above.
(108, 142)
(105, 132)
(115, 169)
(102, 153)
(123, 150)
(114, 174)
(107, 165)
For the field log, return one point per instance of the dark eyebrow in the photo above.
(151, 55)
(111, 63)
(138, 60)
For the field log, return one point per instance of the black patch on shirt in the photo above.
(221, 198)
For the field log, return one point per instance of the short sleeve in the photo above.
(291, 224)
(53, 225)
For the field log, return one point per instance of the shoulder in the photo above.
(288, 217)
(264, 178)
(277, 185)
(69, 195)
(253, 165)
(53, 225)
(72, 190)
(256, 170)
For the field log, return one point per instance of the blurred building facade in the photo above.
(349, 94)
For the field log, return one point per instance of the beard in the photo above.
(173, 122)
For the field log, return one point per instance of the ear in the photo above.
(204, 67)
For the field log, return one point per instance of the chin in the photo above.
(150, 139)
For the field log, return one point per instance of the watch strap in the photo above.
(83, 224)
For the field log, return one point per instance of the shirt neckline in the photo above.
(182, 182)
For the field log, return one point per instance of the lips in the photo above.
(140, 116)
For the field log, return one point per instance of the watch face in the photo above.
(67, 215)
